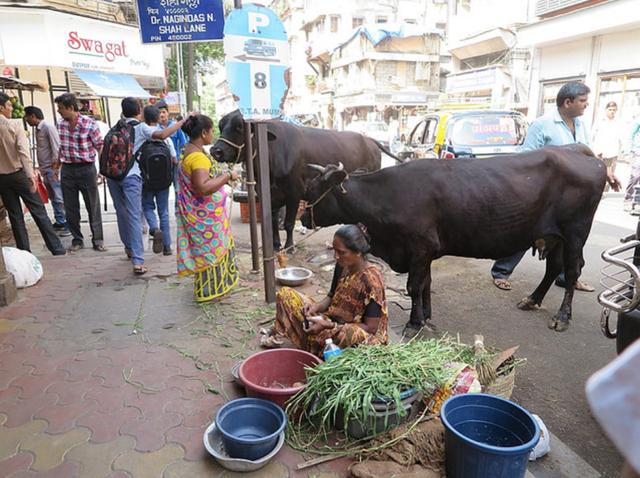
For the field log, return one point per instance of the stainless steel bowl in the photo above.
(293, 276)
(213, 444)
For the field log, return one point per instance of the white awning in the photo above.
(492, 41)
(112, 85)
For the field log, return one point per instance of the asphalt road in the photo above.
(465, 302)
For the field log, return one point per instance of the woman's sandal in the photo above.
(502, 284)
(140, 269)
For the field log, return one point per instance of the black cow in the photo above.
(291, 149)
(484, 208)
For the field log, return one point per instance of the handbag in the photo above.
(42, 190)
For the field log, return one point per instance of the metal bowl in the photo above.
(213, 444)
(235, 373)
(293, 276)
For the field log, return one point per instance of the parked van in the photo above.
(466, 134)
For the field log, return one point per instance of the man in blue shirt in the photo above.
(556, 128)
(179, 138)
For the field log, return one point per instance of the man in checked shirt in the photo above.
(80, 144)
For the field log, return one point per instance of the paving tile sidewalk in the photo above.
(104, 374)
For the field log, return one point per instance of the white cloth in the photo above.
(607, 138)
(24, 266)
(614, 396)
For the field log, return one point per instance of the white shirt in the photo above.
(607, 137)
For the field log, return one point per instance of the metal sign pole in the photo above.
(251, 197)
(264, 185)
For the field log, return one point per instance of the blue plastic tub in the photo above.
(250, 427)
(487, 436)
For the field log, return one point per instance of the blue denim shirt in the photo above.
(551, 130)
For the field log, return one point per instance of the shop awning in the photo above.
(113, 85)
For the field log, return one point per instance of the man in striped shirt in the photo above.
(80, 144)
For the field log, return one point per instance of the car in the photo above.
(377, 130)
(258, 47)
(466, 134)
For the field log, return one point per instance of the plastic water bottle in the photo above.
(331, 350)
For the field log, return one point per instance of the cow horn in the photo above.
(317, 167)
(340, 166)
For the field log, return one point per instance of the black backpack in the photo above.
(116, 158)
(156, 165)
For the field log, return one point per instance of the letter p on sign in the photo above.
(257, 20)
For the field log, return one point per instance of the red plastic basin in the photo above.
(270, 374)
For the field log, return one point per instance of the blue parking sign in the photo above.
(257, 61)
(163, 21)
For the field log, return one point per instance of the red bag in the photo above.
(42, 190)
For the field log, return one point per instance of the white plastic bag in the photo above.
(543, 446)
(25, 267)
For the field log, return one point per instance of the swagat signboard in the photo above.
(257, 61)
(163, 21)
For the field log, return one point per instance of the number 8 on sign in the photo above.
(260, 80)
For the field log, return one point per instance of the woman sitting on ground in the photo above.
(205, 243)
(353, 313)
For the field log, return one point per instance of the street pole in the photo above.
(180, 74)
(251, 197)
(264, 184)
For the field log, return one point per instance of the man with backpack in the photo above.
(157, 160)
(118, 165)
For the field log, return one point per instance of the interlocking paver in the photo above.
(190, 439)
(33, 385)
(10, 438)
(112, 400)
(19, 462)
(8, 325)
(45, 364)
(96, 459)
(21, 411)
(191, 388)
(80, 370)
(111, 375)
(49, 450)
(61, 418)
(149, 430)
(105, 427)
(72, 392)
(196, 412)
(148, 465)
(151, 404)
(68, 469)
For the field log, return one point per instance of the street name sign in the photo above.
(163, 21)
(257, 61)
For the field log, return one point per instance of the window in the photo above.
(417, 134)
(357, 21)
(549, 91)
(381, 19)
(335, 23)
(624, 89)
(430, 131)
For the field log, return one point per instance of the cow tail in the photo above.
(386, 151)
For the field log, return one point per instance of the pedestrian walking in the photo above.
(127, 192)
(633, 147)
(607, 138)
(179, 138)
(80, 143)
(48, 147)
(157, 160)
(18, 181)
(205, 242)
(561, 126)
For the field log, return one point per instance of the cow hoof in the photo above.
(410, 331)
(558, 324)
(528, 304)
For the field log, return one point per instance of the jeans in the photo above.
(634, 178)
(13, 187)
(126, 195)
(81, 178)
(149, 201)
(52, 183)
(503, 268)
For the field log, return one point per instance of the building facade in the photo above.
(597, 42)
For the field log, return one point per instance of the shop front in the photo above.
(99, 61)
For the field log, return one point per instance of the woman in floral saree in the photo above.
(205, 243)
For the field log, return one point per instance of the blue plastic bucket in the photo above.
(250, 427)
(487, 436)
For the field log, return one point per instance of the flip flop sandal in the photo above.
(502, 284)
(140, 269)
